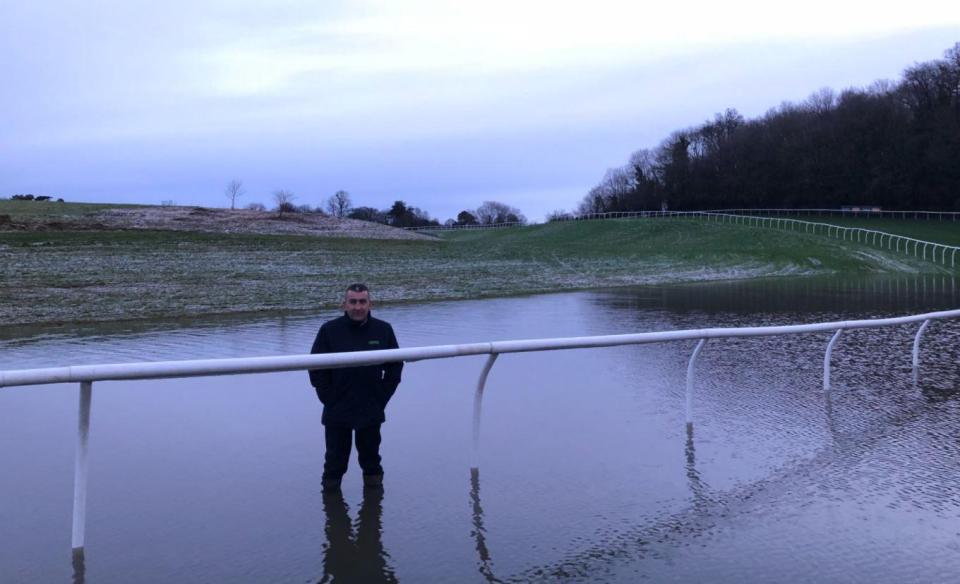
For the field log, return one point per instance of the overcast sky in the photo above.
(441, 104)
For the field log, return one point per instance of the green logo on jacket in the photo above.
(373, 342)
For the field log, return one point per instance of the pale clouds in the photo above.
(438, 103)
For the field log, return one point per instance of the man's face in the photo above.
(357, 305)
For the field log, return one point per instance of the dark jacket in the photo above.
(355, 396)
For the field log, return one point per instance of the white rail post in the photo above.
(826, 360)
(477, 405)
(916, 350)
(690, 366)
(80, 468)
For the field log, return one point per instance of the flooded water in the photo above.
(587, 472)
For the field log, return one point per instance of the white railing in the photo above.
(87, 374)
(863, 213)
(474, 226)
(883, 213)
(755, 213)
(881, 239)
(867, 236)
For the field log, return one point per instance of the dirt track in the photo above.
(203, 219)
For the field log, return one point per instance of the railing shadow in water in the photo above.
(79, 566)
(484, 562)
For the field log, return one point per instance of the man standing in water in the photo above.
(354, 398)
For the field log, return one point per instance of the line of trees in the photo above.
(400, 214)
(489, 213)
(896, 145)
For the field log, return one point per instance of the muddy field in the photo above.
(203, 220)
(50, 277)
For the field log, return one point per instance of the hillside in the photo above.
(32, 216)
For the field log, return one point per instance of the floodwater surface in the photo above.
(586, 470)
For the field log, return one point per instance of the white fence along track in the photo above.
(861, 235)
(753, 217)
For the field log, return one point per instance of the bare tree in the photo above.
(339, 204)
(822, 101)
(496, 212)
(593, 202)
(234, 191)
(284, 200)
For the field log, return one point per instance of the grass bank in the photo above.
(54, 277)
(55, 209)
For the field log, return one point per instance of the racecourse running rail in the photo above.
(752, 217)
(87, 374)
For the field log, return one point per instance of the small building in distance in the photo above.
(861, 208)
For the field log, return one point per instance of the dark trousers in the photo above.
(338, 450)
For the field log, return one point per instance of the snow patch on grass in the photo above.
(887, 263)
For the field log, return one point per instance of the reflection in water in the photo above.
(485, 565)
(697, 487)
(79, 566)
(828, 410)
(355, 554)
(703, 508)
(797, 296)
(716, 515)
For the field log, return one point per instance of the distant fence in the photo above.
(867, 236)
(862, 213)
(475, 226)
(924, 250)
(87, 374)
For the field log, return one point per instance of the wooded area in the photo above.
(893, 144)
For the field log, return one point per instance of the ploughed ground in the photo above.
(206, 220)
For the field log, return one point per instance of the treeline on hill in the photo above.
(896, 145)
(400, 214)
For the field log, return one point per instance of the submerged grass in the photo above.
(53, 277)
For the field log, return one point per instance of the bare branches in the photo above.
(234, 191)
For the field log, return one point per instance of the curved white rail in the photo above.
(247, 365)
(87, 374)
(926, 215)
(867, 236)
(749, 217)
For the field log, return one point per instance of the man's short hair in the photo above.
(358, 287)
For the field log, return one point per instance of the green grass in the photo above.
(946, 232)
(53, 208)
(684, 241)
(53, 277)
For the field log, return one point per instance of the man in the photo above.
(354, 398)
